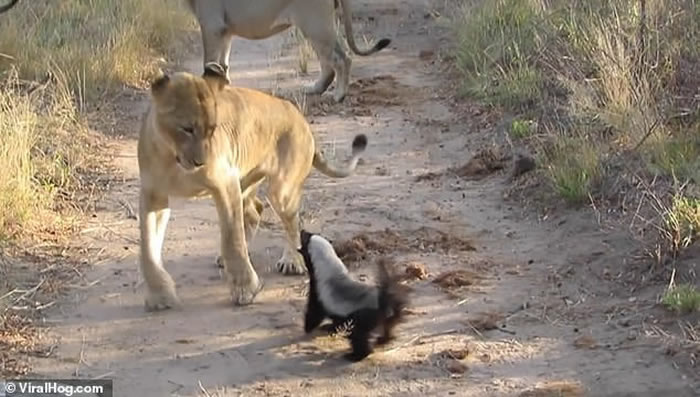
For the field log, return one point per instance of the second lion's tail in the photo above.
(359, 144)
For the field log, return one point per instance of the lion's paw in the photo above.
(291, 263)
(162, 300)
(242, 295)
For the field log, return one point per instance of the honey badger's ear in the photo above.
(215, 73)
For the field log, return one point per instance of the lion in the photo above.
(202, 137)
(7, 6)
(221, 20)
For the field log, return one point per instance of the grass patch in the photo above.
(625, 71)
(97, 44)
(682, 299)
(521, 129)
(495, 41)
(682, 221)
(574, 169)
(678, 157)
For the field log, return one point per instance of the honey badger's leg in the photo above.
(363, 322)
(153, 218)
(314, 311)
(388, 330)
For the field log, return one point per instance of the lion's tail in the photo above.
(347, 19)
(359, 144)
(8, 6)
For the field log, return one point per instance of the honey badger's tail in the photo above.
(359, 144)
(392, 297)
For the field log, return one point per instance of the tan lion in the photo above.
(203, 137)
(221, 20)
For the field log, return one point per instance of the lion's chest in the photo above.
(179, 183)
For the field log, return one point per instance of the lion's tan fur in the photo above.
(221, 20)
(202, 137)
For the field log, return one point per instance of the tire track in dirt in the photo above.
(448, 345)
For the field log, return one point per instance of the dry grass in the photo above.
(305, 52)
(97, 44)
(59, 60)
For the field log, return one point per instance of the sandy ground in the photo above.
(553, 336)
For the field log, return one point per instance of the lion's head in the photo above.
(186, 113)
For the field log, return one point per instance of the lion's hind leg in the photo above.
(287, 208)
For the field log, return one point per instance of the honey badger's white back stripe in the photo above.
(338, 292)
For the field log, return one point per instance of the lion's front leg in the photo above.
(153, 219)
(252, 213)
(240, 275)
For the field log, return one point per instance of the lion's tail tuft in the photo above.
(359, 144)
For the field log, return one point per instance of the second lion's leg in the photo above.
(242, 279)
(225, 54)
(217, 44)
(318, 28)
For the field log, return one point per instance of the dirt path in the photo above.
(556, 335)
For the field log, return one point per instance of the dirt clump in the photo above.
(415, 271)
(458, 353)
(367, 94)
(486, 321)
(555, 389)
(16, 336)
(585, 342)
(483, 163)
(387, 241)
(456, 279)
(455, 366)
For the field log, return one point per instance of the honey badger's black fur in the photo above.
(334, 294)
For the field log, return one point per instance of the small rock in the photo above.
(425, 55)
(522, 164)
(585, 342)
(455, 367)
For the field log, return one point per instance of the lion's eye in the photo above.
(188, 130)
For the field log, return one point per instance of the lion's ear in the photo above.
(215, 73)
(159, 84)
